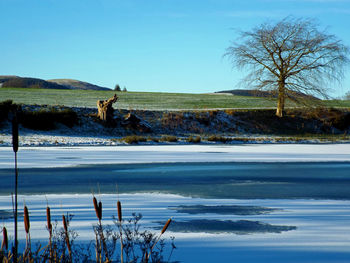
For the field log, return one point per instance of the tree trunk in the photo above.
(280, 99)
(105, 109)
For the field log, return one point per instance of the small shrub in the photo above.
(153, 139)
(134, 139)
(168, 138)
(45, 119)
(230, 111)
(5, 107)
(216, 138)
(192, 139)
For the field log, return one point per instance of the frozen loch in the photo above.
(244, 203)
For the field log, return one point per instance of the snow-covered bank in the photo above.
(47, 138)
(30, 157)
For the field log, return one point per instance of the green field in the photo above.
(142, 100)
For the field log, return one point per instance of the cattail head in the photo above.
(48, 219)
(26, 219)
(5, 242)
(64, 221)
(15, 134)
(119, 205)
(166, 226)
(98, 208)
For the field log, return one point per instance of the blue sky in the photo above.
(145, 45)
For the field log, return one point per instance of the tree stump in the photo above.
(136, 123)
(105, 109)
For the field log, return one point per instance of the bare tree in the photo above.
(289, 57)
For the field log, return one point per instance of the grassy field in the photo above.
(142, 100)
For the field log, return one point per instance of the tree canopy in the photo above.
(288, 57)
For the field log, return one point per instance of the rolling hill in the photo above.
(265, 94)
(77, 84)
(35, 83)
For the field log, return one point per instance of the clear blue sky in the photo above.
(145, 45)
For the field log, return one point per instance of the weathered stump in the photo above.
(105, 109)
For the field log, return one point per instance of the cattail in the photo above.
(119, 205)
(48, 219)
(166, 226)
(98, 208)
(5, 242)
(26, 219)
(15, 134)
(161, 233)
(64, 223)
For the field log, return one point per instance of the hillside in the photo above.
(77, 84)
(35, 83)
(266, 94)
(30, 83)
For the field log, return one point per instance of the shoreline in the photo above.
(53, 140)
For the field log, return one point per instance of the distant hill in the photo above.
(31, 83)
(77, 84)
(35, 83)
(265, 94)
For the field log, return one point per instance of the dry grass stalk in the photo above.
(5, 242)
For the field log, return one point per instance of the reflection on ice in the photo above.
(223, 209)
(240, 227)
